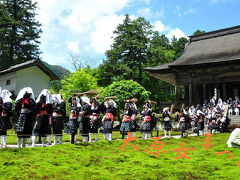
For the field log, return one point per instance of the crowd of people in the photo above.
(44, 117)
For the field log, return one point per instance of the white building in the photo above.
(32, 74)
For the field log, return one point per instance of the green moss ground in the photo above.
(103, 160)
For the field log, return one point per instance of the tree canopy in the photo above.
(124, 90)
(79, 81)
(19, 32)
(135, 46)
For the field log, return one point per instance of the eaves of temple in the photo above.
(209, 65)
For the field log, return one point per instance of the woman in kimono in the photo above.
(95, 121)
(167, 121)
(230, 109)
(133, 123)
(146, 126)
(73, 125)
(25, 107)
(6, 113)
(44, 109)
(127, 114)
(84, 116)
(184, 121)
(59, 113)
(200, 120)
(236, 105)
(108, 119)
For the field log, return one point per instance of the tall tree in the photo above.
(178, 46)
(131, 44)
(19, 32)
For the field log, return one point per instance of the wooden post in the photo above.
(190, 94)
(186, 96)
(204, 92)
(178, 93)
(195, 94)
(224, 92)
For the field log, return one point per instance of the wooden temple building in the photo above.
(209, 65)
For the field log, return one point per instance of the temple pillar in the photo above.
(190, 99)
(204, 92)
(224, 92)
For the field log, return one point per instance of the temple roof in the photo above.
(208, 48)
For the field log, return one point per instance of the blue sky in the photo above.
(84, 28)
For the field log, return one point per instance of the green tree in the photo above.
(160, 52)
(178, 46)
(126, 89)
(130, 47)
(79, 81)
(198, 32)
(19, 32)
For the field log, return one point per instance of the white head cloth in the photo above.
(184, 112)
(57, 98)
(5, 94)
(23, 91)
(48, 95)
(113, 103)
(77, 102)
(85, 99)
(164, 109)
(135, 106)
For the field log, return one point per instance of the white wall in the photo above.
(32, 77)
(12, 78)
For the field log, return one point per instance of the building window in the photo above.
(8, 82)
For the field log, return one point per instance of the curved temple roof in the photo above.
(221, 46)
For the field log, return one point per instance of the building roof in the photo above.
(31, 63)
(221, 46)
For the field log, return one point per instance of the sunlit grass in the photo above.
(104, 160)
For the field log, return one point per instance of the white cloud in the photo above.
(101, 38)
(146, 12)
(160, 27)
(73, 46)
(78, 24)
(189, 11)
(104, 27)
(178, 33)
(170, 32)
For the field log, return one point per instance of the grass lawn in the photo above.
(103, 160)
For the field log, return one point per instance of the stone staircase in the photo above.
(235, 122)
